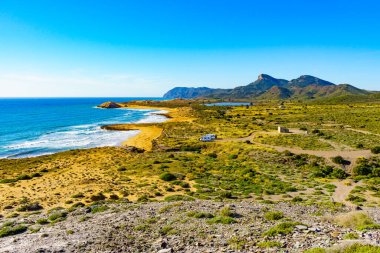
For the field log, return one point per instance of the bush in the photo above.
(340, 160)
(168, 177)
(178, 198)
(98, 197)
(351, 236)
(7, 181)
(274, 215)
(339, 174)
(226, 212)
(24, 177)
(281, 229)
(269, 244)
(297, 199)
(99, 209)
(232, 156)
(42, 221)
(143, 198)
(375, 150)
(225, 195)
(222, 220)
(200, 215)
(356, 220)
(57, 216)
(78, 196)
(362, 170)
(30, 207)
(114, 197)
(355, 199)
(12, 230)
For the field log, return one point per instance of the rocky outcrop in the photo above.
(110, 105)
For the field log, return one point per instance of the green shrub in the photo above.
(226, 212)
(269, 244)
(121, 169)
(274, 215)
(281, 229)
(234, 156)
(375, 150)
(78, 196)
(167, 230)
(36, 175)
(42, 221)
(57, 216)
(297, 199)
(143, 198)
(7, 181)
(12, 230)
(99, 209)
(98, 197)
(200, 215)
(24, 177)
(351, 236)
(355, 198)
(225, 194)
(168, 176)
(30, 207)
(338, 160)
(222, 220)
(178, 198)
(339, 174)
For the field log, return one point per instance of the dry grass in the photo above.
(354, 220)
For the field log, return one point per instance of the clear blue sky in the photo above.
(144, 48)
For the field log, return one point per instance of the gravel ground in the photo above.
(166, 227)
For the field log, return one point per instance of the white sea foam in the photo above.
(80, 136)
(154, 117)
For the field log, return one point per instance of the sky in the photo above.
(97, 48)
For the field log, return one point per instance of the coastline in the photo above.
(148, 131)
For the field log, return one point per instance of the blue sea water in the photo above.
(38, 126)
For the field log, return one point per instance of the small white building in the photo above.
(283, 130)
(208, 137)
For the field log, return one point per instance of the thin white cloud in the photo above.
(78, 84)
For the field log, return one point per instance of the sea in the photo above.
(39, 126)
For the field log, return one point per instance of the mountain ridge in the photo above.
(268, 87)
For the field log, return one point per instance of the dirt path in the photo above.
(343, 189)
(361, 131)
(341, 150)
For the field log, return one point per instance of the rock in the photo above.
(109, 105)
(170, 250)
(301, 227)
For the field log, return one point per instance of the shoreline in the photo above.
(148, 131)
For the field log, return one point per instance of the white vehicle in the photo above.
(208, 137)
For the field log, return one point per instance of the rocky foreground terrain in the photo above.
(189, 226)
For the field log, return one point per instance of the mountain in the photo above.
(185, 92)
(262, 84)
(276, 93)
(268, 87)
(306, 80)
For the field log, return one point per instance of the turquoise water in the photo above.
(38, 126)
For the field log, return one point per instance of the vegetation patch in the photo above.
(283, 228)
(11, 229)
(356, 220)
